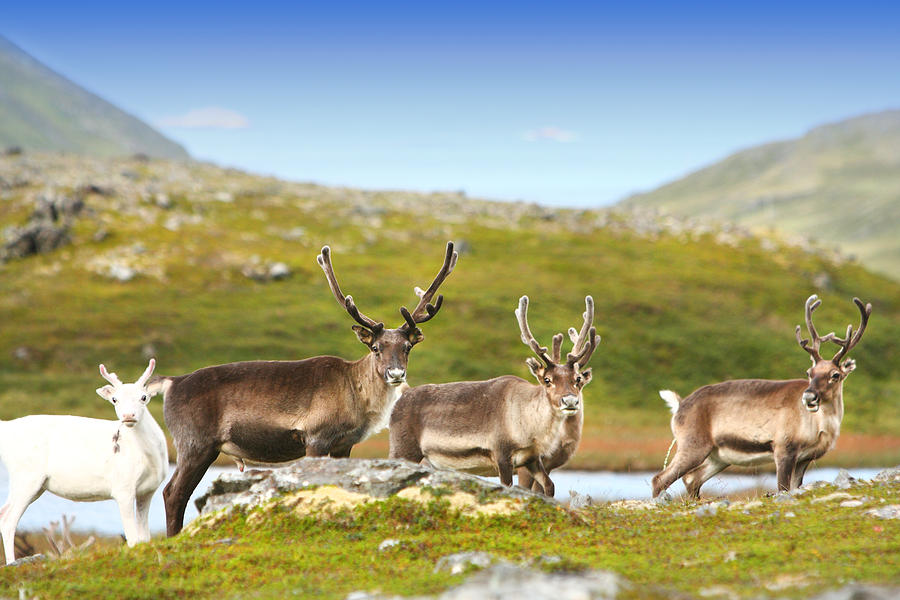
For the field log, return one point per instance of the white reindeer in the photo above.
(87, 459)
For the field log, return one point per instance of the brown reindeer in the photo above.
(493, 427)
(749, 422)
(567, 443)
(277, 411)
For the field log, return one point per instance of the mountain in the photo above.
(839, 185)
(181, 260)
(40, 110)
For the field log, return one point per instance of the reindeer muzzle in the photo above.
(569, 404)
(811, 400)
(129, 422)
(395, 376)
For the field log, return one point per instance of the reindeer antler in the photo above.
(425, 310)
(147, 373)
(110, 377)
(324, 260)
(527, 336)
(812, 344)
(585, 341)
(851, 339)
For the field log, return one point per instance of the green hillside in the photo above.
(676, 308)
(43, 111)
(839, 185)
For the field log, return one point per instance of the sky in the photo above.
(562, 103)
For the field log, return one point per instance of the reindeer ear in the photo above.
(586, 373)
(415, 336)
(848, 366)
(536, 368)
(364, 335)
(106, 392)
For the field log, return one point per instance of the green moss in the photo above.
(663, 550)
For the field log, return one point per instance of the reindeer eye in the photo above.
(144, 398)
(547, 380)
(578, 380)
(114, 400)
(407, 348)
(835, 375)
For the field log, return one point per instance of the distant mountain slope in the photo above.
(42, 110)
(175, 259)
(839, 184)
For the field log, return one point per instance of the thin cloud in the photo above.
(553, 134)
(209, 117)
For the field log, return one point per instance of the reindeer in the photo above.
(749, 422)
(493, 427)
(567, 443)
(278, 411)
(87, 459)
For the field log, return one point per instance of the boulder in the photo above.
(371, 478)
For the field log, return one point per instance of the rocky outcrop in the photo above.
(313, 482)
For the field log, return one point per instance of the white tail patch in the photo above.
(672, 399)
(160, 386)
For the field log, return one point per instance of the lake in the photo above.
(103, 517)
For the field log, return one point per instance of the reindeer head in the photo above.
(130, 399)
(826, 376)
(391, 347)
(561, 382)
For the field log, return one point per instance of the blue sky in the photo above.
(562, 103)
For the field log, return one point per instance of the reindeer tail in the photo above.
(672, 399)
(159, 384)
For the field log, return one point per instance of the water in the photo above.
(103, 517)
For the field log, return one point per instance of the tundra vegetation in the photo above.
(678, 305)
(789, 546)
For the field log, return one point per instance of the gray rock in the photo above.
(27, 560)
(891, 511)
(461, 562)
(388, 544)
(121, 272)
(844, 480)
(892, 474)
(663, 498)
(707, 510)
(861, 592)
(783, 498)
(577, 501)
(278, 271)
(504, 581)
(376, 477)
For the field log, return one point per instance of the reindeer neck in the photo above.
(370, 388)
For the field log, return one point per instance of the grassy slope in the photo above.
(673, 313)
(802, 547)
(41, 110)
(839, 184)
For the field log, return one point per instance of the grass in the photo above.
(801, 548)
(674, 311)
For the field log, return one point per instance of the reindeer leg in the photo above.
(799, 472)
(21, 494)
(527, 481)
(341, 452)
(143, 517)
(504, 466)
(126, 511)
(537, 470)
(191, 467)
(697, 477)
(785, 464)
(688, 457)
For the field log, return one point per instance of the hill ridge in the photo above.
(42, 110)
